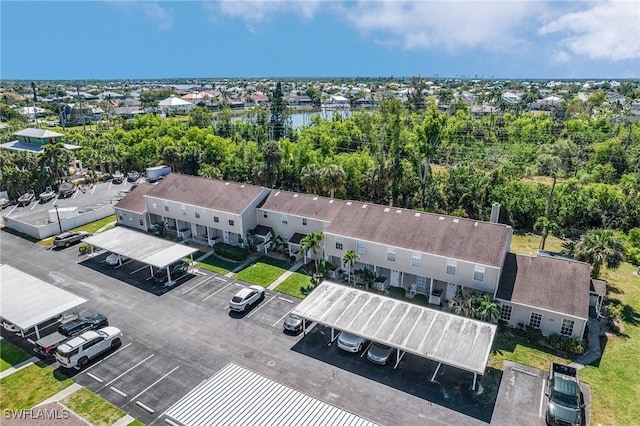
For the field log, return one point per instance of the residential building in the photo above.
(131, 211)
(34, 140)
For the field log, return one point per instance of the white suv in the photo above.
(246, 297)
(77, 351)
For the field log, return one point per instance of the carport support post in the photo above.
(475, 379)
(433, 379)
(37, 333)
(151, 269)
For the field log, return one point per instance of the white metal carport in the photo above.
(440, 336)
(238, 396)
(27, 301)
(142, 247)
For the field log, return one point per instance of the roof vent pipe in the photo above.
(495, 212)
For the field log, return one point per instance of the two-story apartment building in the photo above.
(292, 216)
(425, 253)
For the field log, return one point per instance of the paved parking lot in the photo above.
(94, 197)
(178, 336)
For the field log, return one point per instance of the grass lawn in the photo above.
(11, 355)
(92, 408)
(217, 264)
(294, 284)
(264, 271)
(89, 227)
(516, 349)
(529, 243)
(136, 423)
(31, 385)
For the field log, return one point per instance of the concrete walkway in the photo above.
(597, 328)
(9, 371)
(124, 421)
(286, 275)
(61, 395)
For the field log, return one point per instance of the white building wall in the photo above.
(132, 220)
(294, 223)
(431, 266)
(249, 219)
(551, 321)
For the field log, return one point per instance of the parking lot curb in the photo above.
(124, 421)
(61, 395)
(9, 371)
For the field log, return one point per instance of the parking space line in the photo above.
(94, 189)
(123, 263)
(107, 357)
(155, 383)
(138, 364)
(138, 270)
(110, 183)
(118, 391)
(75, 195)
(238, 284)
(96, 378)
(11, 211)
(366, 349)
(541, 398)
(220, 279)
(261, 306)
(283, 317)
(197, 284)
(216, 292)
(34, 205)
(285, 300)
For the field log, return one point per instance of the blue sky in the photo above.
(171, 39)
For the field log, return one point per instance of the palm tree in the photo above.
(545, 226)
(311, 242)
(487, 309)
(348, 259)
(332, 178)
(600, 247)
(310, 177)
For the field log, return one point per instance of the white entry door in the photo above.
(451, 291)
(225, 237)
(394, 279)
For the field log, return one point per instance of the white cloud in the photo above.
(257, 11)
(605, 31)
(444, 24)
(162, 17)
(560, 56)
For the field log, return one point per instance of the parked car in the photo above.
(77, 326)
(79, 350)
(66, 189)
(565, 401)
(379, 353)
(246, 297)
(177, 269)
(293, 323)
(9, 326)
(71, 237)
(133, 175)
(115, 259)
(350, 342)
(117, 177)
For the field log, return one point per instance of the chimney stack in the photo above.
(495, 212)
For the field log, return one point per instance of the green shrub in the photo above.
(397, 292)
(84, 248)
(528, 333)
(230, 252)
(572, 346)
(421, 299)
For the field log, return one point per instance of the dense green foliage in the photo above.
(228, 251)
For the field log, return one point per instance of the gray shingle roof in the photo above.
(556, 284)
(309, 206)
(457, 238)
(134, 201)
(207, 193)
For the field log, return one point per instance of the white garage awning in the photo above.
(27, 301)
(440, 336)
(140, 246)
(238, 396)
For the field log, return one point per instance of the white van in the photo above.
(79, 350)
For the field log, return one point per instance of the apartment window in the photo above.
(391, 255)
(416, 258)
(196, 214)
(421, 282)
(155, 205)
(216, 219)
(284, 219)
(535, 320)
(141, 221)
(183, 209)
(265, 215)
(360, 248)
(130, 218)
(166, 207)
(324, 225)
(120, 217)
(505, 312)
(567, 327)
(452, 265)
(478, 273)
(231, 222)
(304, 221)
(338, 243)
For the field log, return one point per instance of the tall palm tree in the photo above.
(545, 226)
(310, 177)
(332, 178)
(312, 242)
(348, 259)
(600, 247)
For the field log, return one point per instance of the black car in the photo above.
(177, 269)
(77, 326)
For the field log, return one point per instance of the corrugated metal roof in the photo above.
(28, 301)
(238, 396)
(140, 246)
(451, 339)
